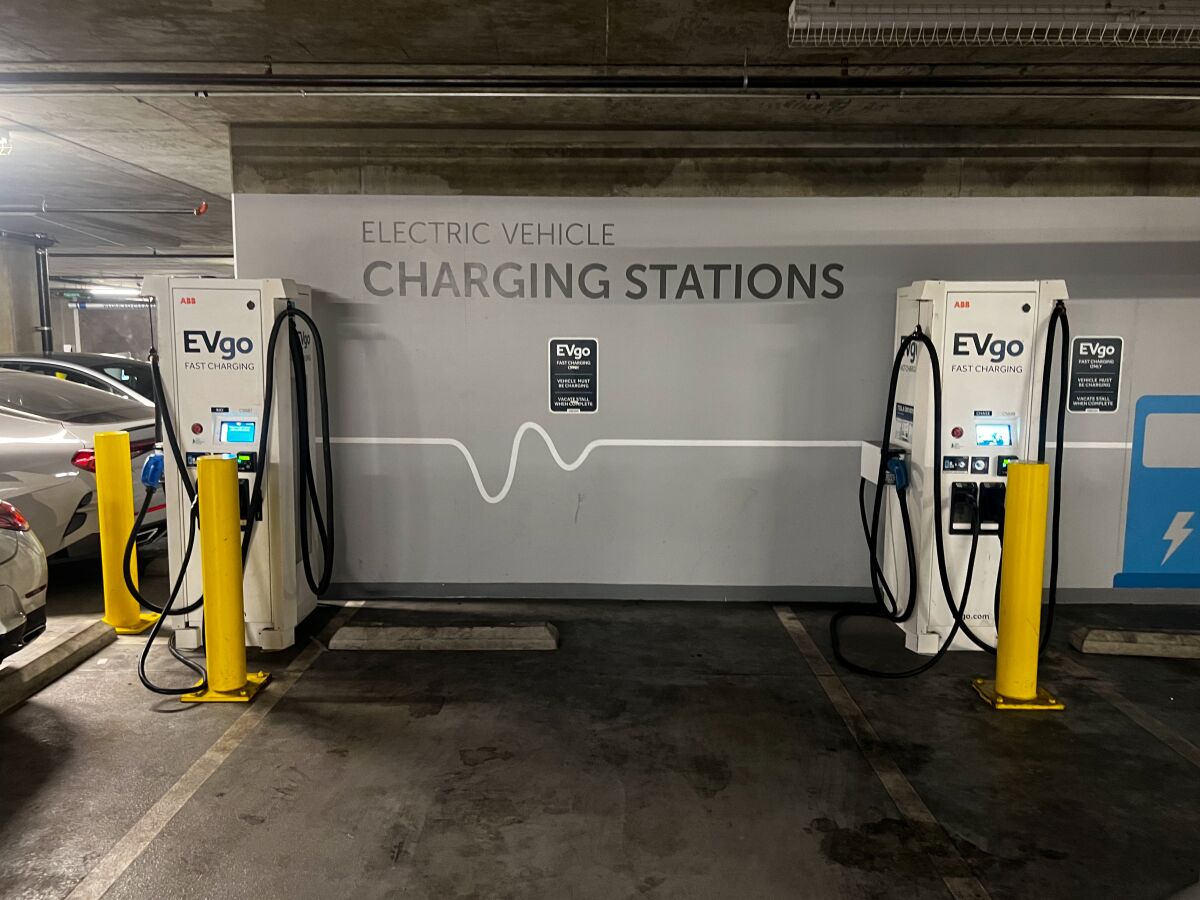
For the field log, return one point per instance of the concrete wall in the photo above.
(18, 298)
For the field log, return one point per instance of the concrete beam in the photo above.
(842, 160)
(684, 175)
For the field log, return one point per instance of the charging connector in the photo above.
(153, 471)
(897, 467)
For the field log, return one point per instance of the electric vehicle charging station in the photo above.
(213, 337)
(987, 336)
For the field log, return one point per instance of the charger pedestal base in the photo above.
(145, 620)
(255, 681)
(986, 688)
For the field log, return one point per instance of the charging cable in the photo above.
(886, 464)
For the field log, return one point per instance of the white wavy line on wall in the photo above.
(624, 442)
(579, 460)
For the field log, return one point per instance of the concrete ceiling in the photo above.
(114, 145)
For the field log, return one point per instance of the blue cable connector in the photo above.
(152, 470)
(898, 469)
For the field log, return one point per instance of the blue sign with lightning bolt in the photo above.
(1162, 509)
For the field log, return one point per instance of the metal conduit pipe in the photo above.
(45, 327)
(8, 209)
(201, 83)
(153, 255)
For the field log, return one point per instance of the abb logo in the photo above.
(187, 301)
(962, 304)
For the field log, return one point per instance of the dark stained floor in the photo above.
(666, 750)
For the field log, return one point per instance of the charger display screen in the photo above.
(993, 435)
(238, 432)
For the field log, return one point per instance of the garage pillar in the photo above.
(18, 297)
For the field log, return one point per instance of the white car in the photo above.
(22, 582)
(129, 378)
(47, 462)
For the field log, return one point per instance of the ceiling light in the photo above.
(869, 23)
(5, 143)
(104, 290)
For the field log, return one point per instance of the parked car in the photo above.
(22, 582)
(47, 457)
(129, 378)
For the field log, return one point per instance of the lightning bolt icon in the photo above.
(1177, 532)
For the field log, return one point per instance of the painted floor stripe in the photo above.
(1132, 711)
(953, 869)
(125, 851)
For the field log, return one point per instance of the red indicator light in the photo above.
(956, 431)
(197, 428)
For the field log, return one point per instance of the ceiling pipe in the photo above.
(128, 276)
(37, 240)
(45, 327)
(152, 255)
(202, 83)
(38, 210)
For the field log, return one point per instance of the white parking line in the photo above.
(943, 855)
(125, 851)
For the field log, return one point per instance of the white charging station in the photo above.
(212, 338)
(988, 336)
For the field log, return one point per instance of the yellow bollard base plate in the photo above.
(254, 682)
(145, 621)
(986, 688)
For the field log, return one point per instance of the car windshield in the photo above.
(132, 373)
(55, 398)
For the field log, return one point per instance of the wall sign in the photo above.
(573, 375)
(1095, 374)
(1160, 548)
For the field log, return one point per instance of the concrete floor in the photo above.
(666, 750)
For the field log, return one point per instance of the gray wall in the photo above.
(690, 521)
(18, 298)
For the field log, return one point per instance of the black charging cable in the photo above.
(163, 425)
(879, 584)
(956, 610)
(1057, 316)
(307, 495)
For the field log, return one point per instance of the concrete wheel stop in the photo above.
(44, 661)
(524, 636)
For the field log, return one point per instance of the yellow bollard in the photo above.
(114, 503)
(1021, 578)
(221, 578)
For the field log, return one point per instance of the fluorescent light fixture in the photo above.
(936, 23)
(104, 290)
(5, 143)
(109, 304)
